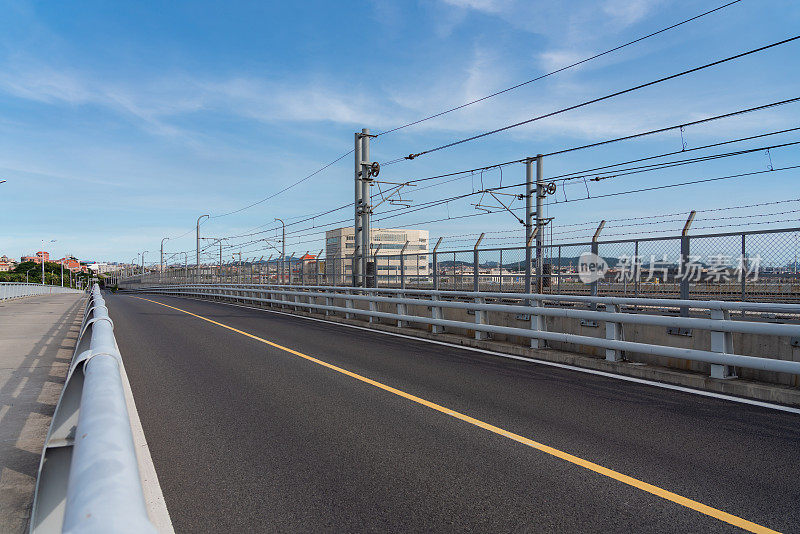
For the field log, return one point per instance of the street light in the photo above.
(283, 249)
(143, 253)
(26, 273)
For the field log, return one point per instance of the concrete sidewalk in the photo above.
(37, 337)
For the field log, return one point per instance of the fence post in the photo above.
(637, 266)
(375, 266)
(722, 342)
(403, 266)
(558, 275)
(303, 269)
(500, 272)
(291, 262)
(684, 263)
(436, 266)
(317, 268)
(475, 276)
(595, 251)
(743, 270)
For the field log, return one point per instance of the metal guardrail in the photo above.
(720, 355)
(15, 290)
(88, 477)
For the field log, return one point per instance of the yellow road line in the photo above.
(625, 479)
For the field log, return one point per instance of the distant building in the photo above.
(72, 264)
(7, 264)
(388, 242)
(38, 258)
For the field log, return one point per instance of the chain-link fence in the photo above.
(756, 266)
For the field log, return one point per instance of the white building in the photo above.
(387, 242)
(102, 267)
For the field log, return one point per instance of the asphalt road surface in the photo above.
(273, 423)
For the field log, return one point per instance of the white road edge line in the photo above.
(153, 496)
(683, 389)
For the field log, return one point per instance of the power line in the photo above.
(599, 99)
(288, 187)
(615, 140)
(618, 172)
(577, 63)
(580, 174)
(691, 182)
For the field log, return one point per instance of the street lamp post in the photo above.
(283, 249)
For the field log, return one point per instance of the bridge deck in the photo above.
(37, 337)
(269, 422)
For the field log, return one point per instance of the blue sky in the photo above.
(121, 123)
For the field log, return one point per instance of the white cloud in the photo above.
(551, 60)
(627, 12)
(488, 6)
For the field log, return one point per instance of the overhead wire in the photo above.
(598, 99)
(614, 140)
(562, 69)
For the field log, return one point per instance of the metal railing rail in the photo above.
(721, 355)
(88, 478)
(15, 290)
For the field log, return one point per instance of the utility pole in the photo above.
(540, 192)
(366, 212)
(162, 252)
(283, 248)
(357, 229)
(529, 192)
(198, 245)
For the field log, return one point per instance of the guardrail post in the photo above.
(328, 302)
(538, 324)
(480, 315)
(348, 303)
(401, 310)
(722, 342)
(436, 313)
(373, 306)
(614, 332)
